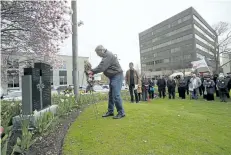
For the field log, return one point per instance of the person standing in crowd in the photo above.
(145, 88)
(215, 78)
(171, 84)
(177, 79)
(139, 90)
(222, 87)
(228, 80)
(151, 89)
(132, 79)
(196, 82)
(202, 87)
(188, 81)
(209, 88)
(111, 68)
(161, 83)
(182, 87)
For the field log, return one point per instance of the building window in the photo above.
(176, 58)
(166, 60)
(203, 33)
(205, 27)
(181, 20)
(13, 78)
(174, 50)
(158, 69)
(187, 56)
(150, 63)
(63, 77)
(204, 49)
(159, 61)
(204, 41)
(62, 80)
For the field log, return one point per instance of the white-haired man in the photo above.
(196, 83)
(111, 68)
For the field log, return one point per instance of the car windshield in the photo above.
(15, 94)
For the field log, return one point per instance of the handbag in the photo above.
(205, 92)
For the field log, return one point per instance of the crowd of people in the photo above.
(204, 85)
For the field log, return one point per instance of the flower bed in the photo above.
(68, 110)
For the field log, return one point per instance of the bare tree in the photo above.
(223, 31)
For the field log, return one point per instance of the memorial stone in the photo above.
(45, 83)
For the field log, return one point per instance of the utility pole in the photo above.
(75, 48)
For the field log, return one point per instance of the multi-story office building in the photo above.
(174, 43)
(227, 63)
(61, 76)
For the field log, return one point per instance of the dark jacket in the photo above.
(161, 83)
(171, 84)
(183, 83)
(145, 85)
(209, 86)
(109, 65)
(222, 85)
(151, 85)
(228, 79)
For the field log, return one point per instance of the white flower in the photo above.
(62, 100)
(35, 112)
(67, 95)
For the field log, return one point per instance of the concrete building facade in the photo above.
(61, 76)
(174, 43)
(226, 60)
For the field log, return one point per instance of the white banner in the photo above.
(199, 64)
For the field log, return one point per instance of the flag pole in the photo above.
(207, 66)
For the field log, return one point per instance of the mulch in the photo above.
(52, 143)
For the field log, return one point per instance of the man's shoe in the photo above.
(108, 114)
(118, 116)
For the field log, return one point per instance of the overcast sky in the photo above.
(116, 23)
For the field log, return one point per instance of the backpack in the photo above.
(221, 84)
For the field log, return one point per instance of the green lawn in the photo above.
(171, 127)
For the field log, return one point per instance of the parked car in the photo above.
(98, 88)
(13, 96)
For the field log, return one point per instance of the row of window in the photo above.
(176, 22)
(202, 32)
(182, 29)
(169, 51)
(13, 79)
(204, 41)
(174, 41)
(199, 56)
(173, 59)
(181, 20)
(204, 49)
(205, 27)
